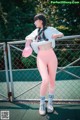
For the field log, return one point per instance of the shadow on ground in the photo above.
(29, 111)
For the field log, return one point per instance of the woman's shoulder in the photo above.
(50, 28)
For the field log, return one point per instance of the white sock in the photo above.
(50, 98)
(42, 100)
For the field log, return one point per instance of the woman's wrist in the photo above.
(61, 35)
(28, 42)
(57, 36)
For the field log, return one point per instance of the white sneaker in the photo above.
(50, 108)
(42, 109)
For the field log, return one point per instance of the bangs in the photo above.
(36, 18)
(40, 17)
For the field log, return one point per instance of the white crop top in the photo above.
(48, 33)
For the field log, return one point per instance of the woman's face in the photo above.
(38, 23)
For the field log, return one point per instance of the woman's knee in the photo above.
(45, 82)
(52, 83)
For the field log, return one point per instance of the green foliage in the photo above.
(65, 17)
(16, 17)
(29, 62)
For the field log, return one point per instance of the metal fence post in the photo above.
(11, 93)
(6, 68)
(4, 78)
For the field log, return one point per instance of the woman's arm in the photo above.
(30, 37)
(54, 36)
(28, 42)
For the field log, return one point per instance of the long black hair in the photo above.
(43, 18)
(40, 17)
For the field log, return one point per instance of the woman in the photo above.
(42, 40)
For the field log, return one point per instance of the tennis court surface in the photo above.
(29, 111)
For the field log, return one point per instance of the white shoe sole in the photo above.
(42, 112)
(50, 109)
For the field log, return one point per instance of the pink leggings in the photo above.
(47, 66)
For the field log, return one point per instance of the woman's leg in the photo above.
(52, 67)
(42, 67)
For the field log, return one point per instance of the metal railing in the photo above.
(25, 79)
(4, 78)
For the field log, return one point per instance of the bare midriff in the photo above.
(46, 46)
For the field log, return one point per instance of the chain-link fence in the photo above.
(25, 78)
(4, 79)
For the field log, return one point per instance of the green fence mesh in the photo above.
(26, 78)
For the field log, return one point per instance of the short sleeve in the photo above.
(50, 31)
(32, 35)
(55, 31)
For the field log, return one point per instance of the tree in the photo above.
(65, 17)
(16, 17)
(18, 21)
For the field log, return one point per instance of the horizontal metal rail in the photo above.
(12, 44)
(62, 38)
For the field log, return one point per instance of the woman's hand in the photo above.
(54, 36)
(28, 42)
